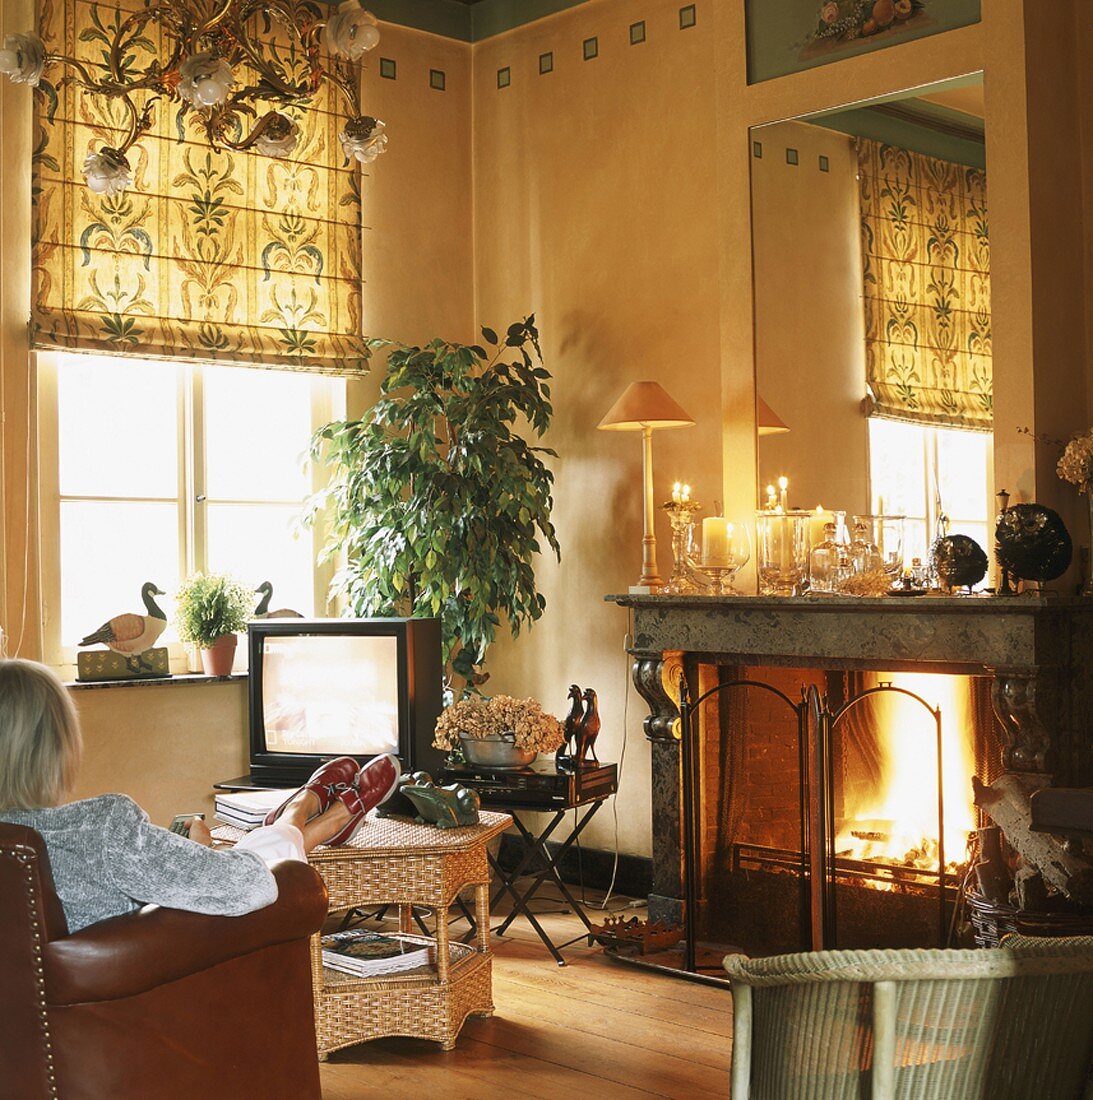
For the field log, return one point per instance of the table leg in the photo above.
(482, 915)
(519, 907)
(521, 902)
(533, 845)
(405, 919)
(443, 954)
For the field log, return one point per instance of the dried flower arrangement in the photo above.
(1076, 465)
(534, 730)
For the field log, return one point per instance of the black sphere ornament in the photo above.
(1033, 542)
(959, 561)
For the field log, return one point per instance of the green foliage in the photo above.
(437, 500)
(210, 606)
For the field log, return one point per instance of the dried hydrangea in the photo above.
(533, 729)
(1076, 465)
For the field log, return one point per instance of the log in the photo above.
(1006, 802)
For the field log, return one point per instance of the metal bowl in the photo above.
(499, 750)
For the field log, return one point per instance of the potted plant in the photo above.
(501, 732)
(437, 500)
(211, 609)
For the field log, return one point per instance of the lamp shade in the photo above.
(768, 422)
(644, 405)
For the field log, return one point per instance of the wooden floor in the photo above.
(594, 1028)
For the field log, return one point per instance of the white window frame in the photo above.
(931, 466)
(326, 405)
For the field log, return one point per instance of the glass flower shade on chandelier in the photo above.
(220, 69)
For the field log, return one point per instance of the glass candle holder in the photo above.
(681, 516)
(885, 532)
(783, 541)
(717, 549)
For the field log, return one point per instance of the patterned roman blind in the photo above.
(220, 257)
(926, 259)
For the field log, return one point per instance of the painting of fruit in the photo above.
(786, 36)
(846, 20)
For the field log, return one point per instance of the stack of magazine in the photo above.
(370, 954)
(247, 809)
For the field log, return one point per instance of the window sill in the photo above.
(181, 680)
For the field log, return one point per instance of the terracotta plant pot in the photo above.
(218, 659)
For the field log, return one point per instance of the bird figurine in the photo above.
(130, 635)
(566, 756)
(588, 729)
(262, 611)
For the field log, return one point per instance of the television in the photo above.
(321, 688)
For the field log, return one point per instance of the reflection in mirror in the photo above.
(873, 338)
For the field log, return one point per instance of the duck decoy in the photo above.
(130, 635)
(262, 611)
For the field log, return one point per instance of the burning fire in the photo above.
(897, 823)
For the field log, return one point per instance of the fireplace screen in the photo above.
(834, 809)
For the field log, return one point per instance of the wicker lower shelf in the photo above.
(352, 1010)
(459, 956)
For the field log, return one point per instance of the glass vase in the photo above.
(783, 541)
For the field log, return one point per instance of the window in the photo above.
(151, 471)
(913, 467)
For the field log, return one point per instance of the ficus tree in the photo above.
(436, 497)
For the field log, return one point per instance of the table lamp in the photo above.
(767, 421)
(645, 406)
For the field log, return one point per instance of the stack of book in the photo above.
(369, 954)
(247, 809)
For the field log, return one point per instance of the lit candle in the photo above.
(816, 524)
(772, 498)
(686, 494)
(716, 531)
(677, 493)
(783, 488)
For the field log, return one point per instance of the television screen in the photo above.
(320, 688)
(330, 694)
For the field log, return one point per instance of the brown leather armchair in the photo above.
(158, 1003)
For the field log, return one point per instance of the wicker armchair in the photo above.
(1011, 1023)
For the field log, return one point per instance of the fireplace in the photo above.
(818, 797)
(814, 757)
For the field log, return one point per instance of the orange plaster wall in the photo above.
(595, 206)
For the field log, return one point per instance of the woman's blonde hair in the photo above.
(40, 741)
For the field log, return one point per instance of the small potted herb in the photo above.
(211, 609)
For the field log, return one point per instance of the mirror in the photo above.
(872, 301)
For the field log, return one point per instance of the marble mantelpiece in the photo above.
(1038, 650)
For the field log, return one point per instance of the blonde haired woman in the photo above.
(108, 859)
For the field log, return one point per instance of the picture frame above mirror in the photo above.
(792, 35)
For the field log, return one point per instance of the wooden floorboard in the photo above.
(594, 1028)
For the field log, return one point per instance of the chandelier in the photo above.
(223, 73)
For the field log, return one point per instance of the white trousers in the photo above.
(277, 841)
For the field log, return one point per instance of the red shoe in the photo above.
(374, 784)
(327, 782)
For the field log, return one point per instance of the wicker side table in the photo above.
(393, 861)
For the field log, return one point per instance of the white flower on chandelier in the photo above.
(364, 138)
(205, 80)
(279, 136)
(107, 172)
(23, 58)
(351, 31)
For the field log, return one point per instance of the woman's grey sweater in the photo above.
(108, 859)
